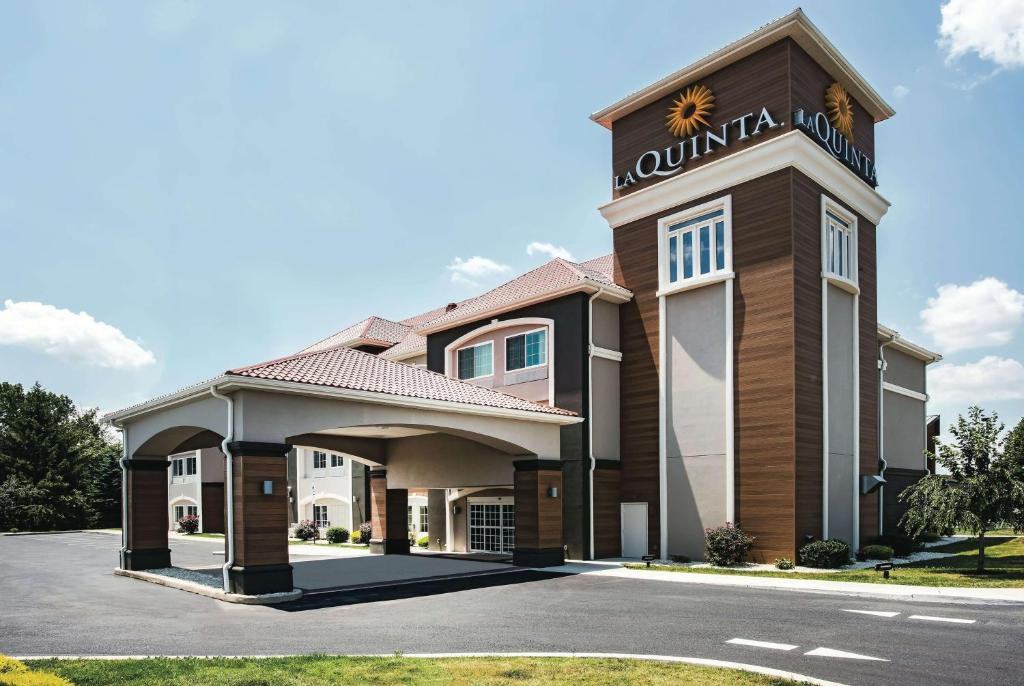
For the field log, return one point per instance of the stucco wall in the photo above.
(904, 428)
(442, 461)
(903, 370)
(840, 414)
(530, 384)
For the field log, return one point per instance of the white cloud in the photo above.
(985, 313)
(539, 248)
(900, 91)
(990, 378)
(993, 29)
(70, 336)
(468, 272)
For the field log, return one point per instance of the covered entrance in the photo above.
(427, 432)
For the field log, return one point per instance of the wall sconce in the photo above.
(268, 488)
(552, 491)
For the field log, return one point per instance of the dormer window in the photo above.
(476, 361)
(526, 350)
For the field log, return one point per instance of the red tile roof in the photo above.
(372, 330)
(342, 367)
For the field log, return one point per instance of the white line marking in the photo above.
(874, 613)
(761, 644)
(832, 652)
(952, 620)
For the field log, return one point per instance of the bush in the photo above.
(423, 541)
(784, 563)
(901, 545)
(928, 537)
(875, 552)
(306, 530)
(727, 545)
(365, 532)
(354, 538)
(9, 664)
(189, 524)
(33, 679)
(336, 534)
(825, 554)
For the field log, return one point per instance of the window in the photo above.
(337, 460)
(476, 361)
(839, 246)
(319, 459)
(182, 510)
(183, 466)
(320, 516)
(524, 350)
(697, 245)
(409, 525)
(423, 520)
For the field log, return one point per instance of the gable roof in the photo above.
(552, 279)
(370, 331)
(347, 368)
(794, 25)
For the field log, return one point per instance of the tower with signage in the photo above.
(743, 214)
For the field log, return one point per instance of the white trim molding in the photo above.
(605, 353)
(793, 149)
(916, 395)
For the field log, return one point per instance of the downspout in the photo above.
(590, 410)
(881, 427)
(229, 491)
(124, 490)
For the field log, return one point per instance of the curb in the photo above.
(698, 661)
(215, 593)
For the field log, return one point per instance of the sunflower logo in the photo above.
(690, 111)
(840, 110)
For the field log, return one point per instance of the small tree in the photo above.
(982, 490)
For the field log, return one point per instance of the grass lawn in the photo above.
(315, 669)
(206, 535)
(1004, 562)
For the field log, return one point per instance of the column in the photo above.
(538, 494)
(147, 514)
(607, 510)
(437, 525)
(389, 518)
(260, 498)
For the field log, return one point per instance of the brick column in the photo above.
(389, 516)
(538, 493)
(260, 519)
(147, 515)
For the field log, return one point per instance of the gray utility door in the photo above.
(492, 527)
(634, 529)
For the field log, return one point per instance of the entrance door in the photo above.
(492, 527)
(634, 529)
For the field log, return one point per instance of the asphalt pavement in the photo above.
(59, 597)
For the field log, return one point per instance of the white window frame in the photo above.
(327, 516)
(339, 458)
(504, 342)
(315, 454)
(467, 347)
(847, 283)
(424, 527)
(665, 285)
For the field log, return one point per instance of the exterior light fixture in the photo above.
(552, 491)
(884, 568)
(268, 488)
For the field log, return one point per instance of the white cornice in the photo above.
(897, 342)
(794, 25)
(916, 395)
(792, 149)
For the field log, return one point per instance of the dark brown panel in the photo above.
(213, 507)
(147, 508)
(760, 80)
(607, 519)
(398, 514)
(260, 521)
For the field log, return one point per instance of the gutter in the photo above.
(590, 411)
(893, 337)
(229, 494)
(124, 490)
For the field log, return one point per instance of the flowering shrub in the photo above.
(189, 524)
(365, 532)
(726, 545)
(336, 534)
(306, 530)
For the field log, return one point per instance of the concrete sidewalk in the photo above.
(849, 588)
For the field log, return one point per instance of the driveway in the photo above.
(58, 596)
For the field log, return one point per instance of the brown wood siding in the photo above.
(147, 508)
(809, 80)
(397, 526)
(807, 342)
(607, 520)
(260, 521)
(763, 312)
(538, 516)
(760, 80)
(868, 282)
(378, 507)
(213, 507)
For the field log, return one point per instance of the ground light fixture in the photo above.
(884, 568)
(647, 559)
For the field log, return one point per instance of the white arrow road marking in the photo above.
(952, 620)
(832, 652)
(761, 644)
(874, 613)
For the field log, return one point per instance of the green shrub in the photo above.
(928, 537)
(354, 538)
(784, 563)
(13, 530)
(726, 545)
(825, 554)
(682, 559)
(901, 545)
(306, 530)
(423, 541)
(336, 534)
(875, 552)
(9, 664)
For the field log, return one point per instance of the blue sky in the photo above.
(221, 183)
